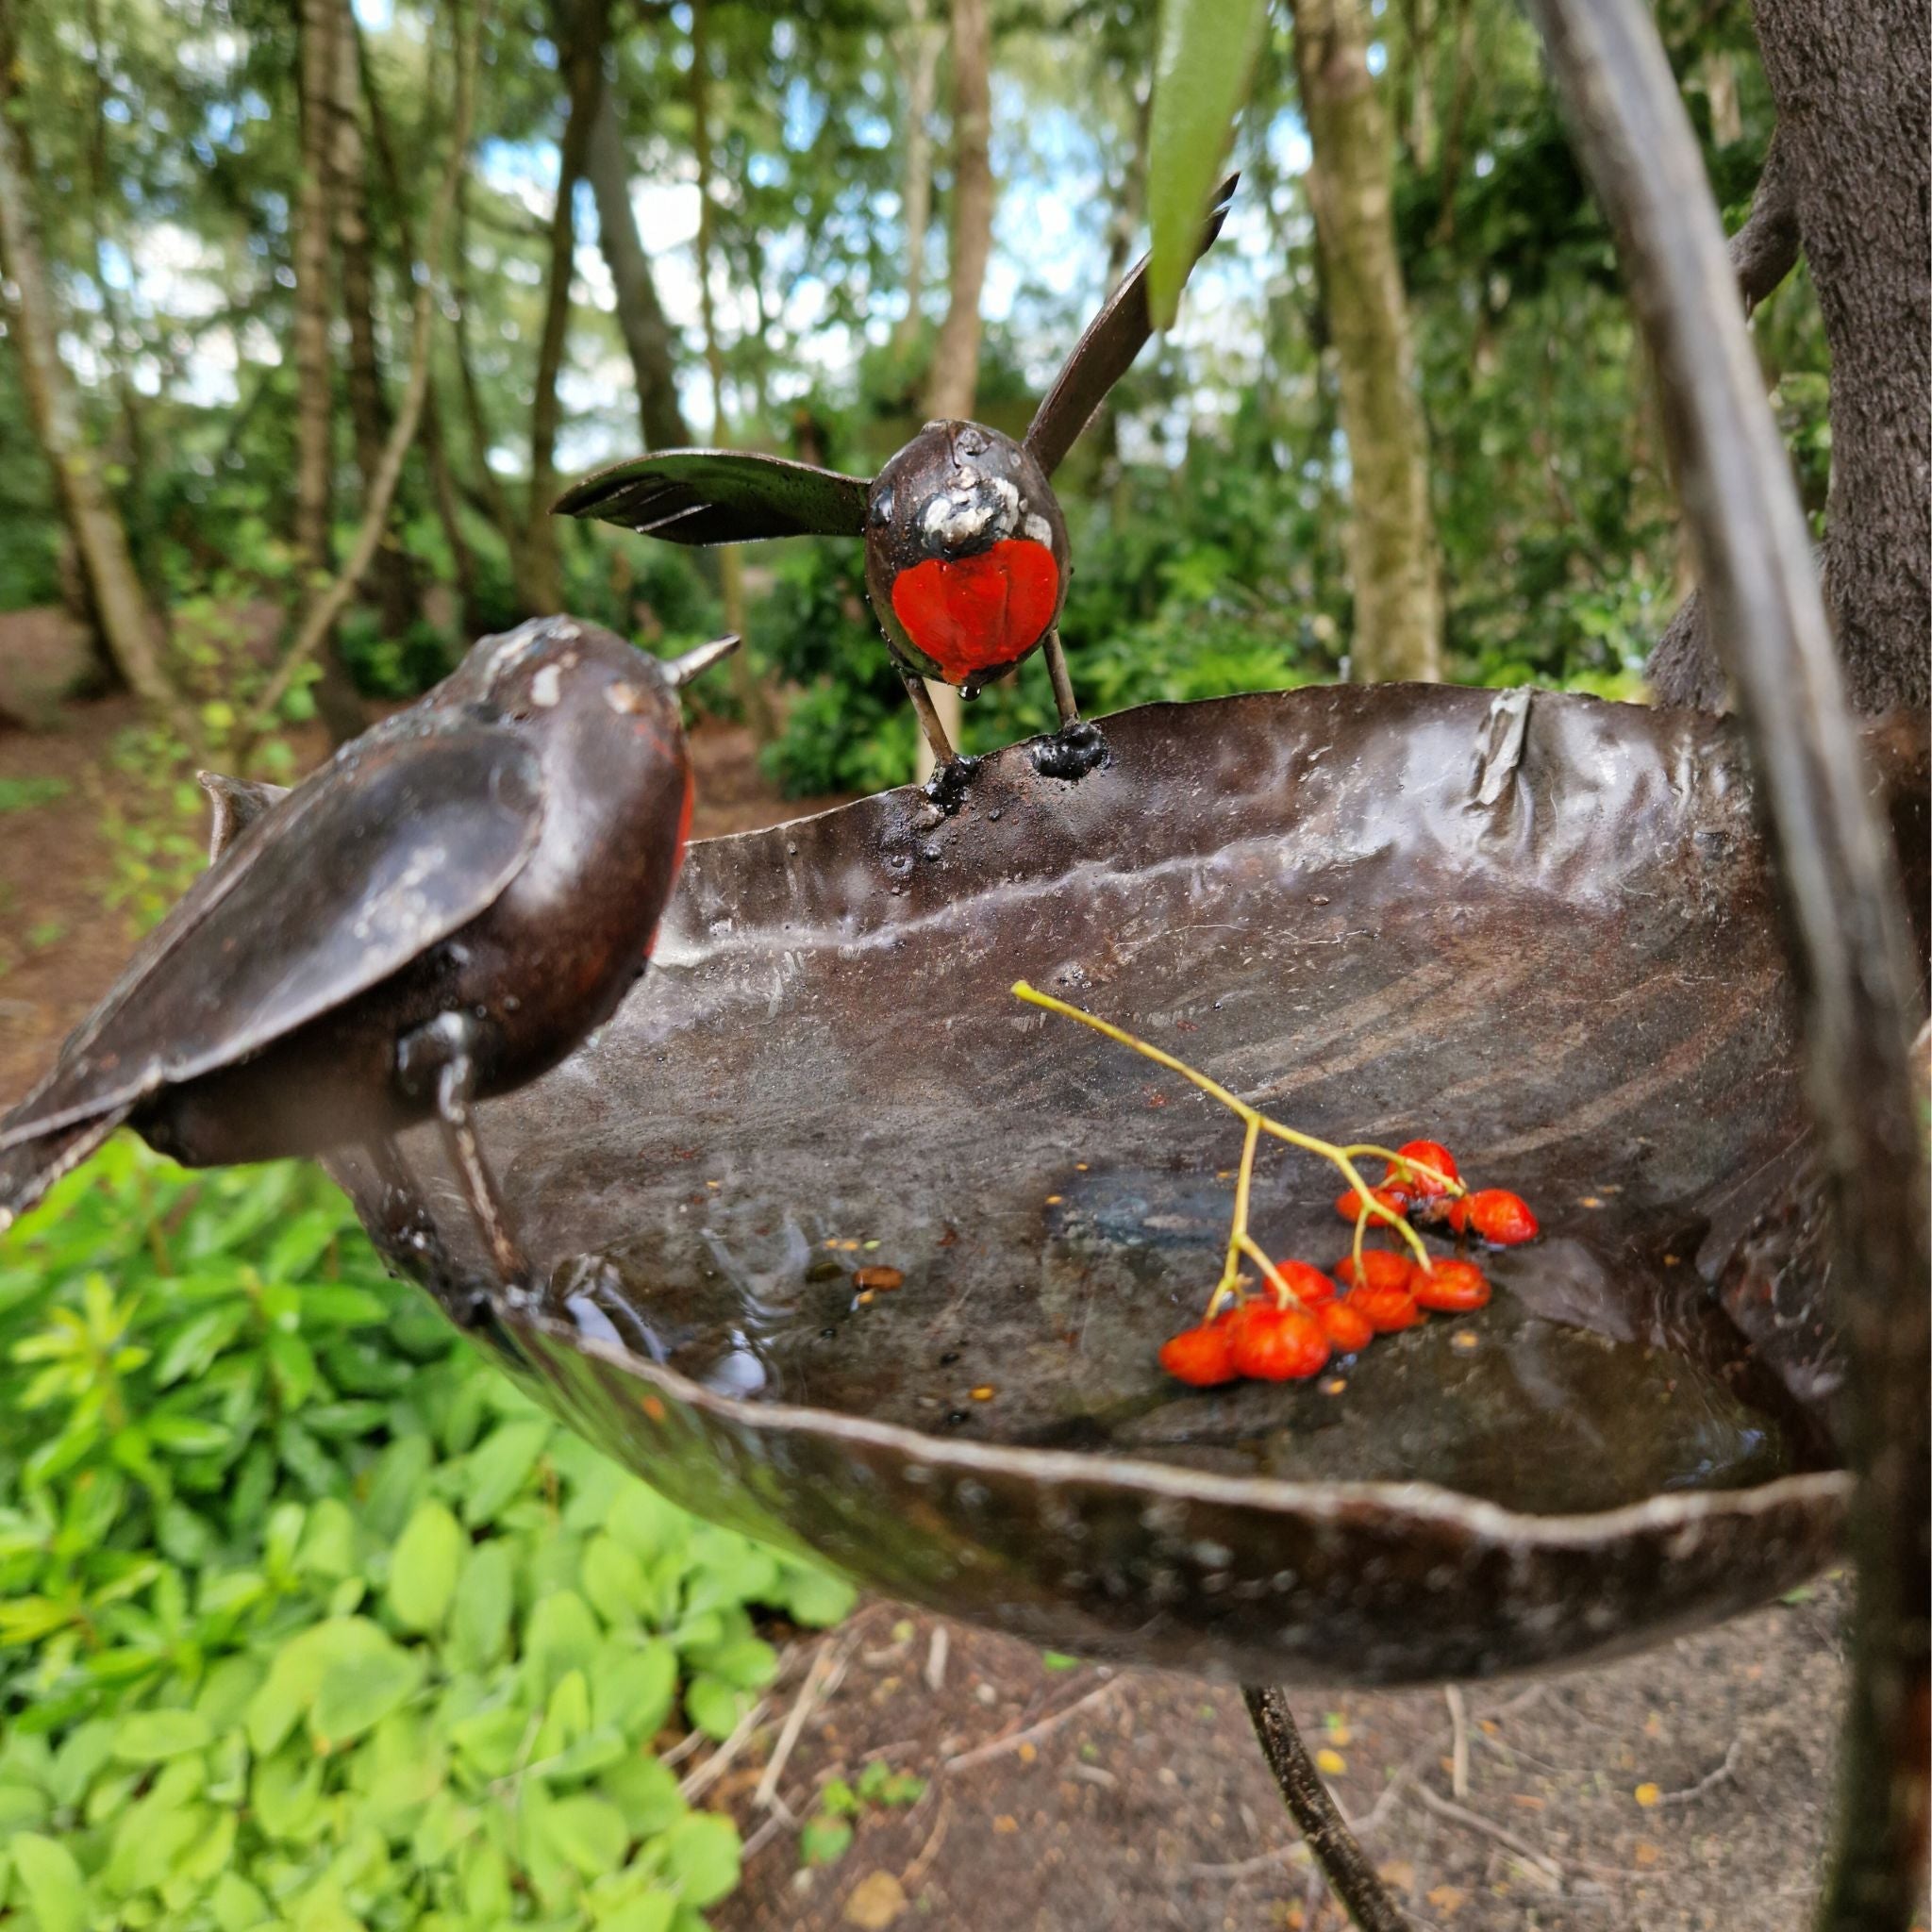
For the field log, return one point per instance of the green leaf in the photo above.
(634, 1690)
(590, 1833)
(363, 1684)
(52, 1882)
(237, 1906)
(1202, 67)
(651, 1913)
(646, 1792)
(499, 1467)
(817, 1598)
(715, 1706)
(424, 1569)
(396, 1485)
(701, 1853)
(561, 1635)
(151, 1737)
(480, 1628)
(614, 1581)
(824, 1840)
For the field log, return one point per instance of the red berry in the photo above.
(1349, 1205)
(1499, 1217)
(1201, 1357)
(1429, 1153)
(1450, 1288)
(1387, 1308)
(1310, 1286)
(1380, 1269)
(1346, 1326)
(1277, 1344)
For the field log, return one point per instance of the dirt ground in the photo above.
(1687, 1787)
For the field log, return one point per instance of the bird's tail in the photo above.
(29, 1167)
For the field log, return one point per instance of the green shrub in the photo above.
(308, 1618)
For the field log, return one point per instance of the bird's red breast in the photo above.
(978, 613)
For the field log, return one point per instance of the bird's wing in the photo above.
(720, 496)
(407, 834)
(1104, 353)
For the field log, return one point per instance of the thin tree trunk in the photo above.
(1392, 556)
(392, 581)
(647, 333)
(442, 486)
(335, 692)
(954, 380)
(920, 47)
(128, 621)
(322, 614)
(956, 360)
(1854, 133)
(747, 686)
(582, 28)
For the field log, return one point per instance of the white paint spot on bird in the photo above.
(1038, 529)
(547, 687)
(624, 699)
(977, 505)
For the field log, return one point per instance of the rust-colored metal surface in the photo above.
(1536, 926)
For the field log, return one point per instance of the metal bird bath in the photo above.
(1538, 925)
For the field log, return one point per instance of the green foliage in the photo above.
(308, 1618)
(827, 1834)
(23, 794)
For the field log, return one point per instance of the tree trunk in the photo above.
(128, 621)
(582, 28)
(1391, 546)
(442, 486)
(954, 380)
(392, 581)
(1850, 85)
(648, 334)
(956, 360)
(920, 47)
(335, 693)
(747, 686)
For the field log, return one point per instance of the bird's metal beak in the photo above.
(680, 671)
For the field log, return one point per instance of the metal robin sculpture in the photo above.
(441, 914)
(966, 557)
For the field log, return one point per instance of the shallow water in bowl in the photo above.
(1597, 1376)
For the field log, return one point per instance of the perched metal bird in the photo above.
(441, 914)
(965, 547)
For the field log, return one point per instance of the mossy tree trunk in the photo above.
(1392, 548)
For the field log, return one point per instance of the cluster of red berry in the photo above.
(1290, 1330)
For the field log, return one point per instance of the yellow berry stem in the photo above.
(1229, 1283)
(1256, 1123)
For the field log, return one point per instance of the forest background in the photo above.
(804, 230)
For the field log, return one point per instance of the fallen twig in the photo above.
(1726, 1769)
(815, 1676)
(714, 1767)
(1459, 1748)
(1474, 1821)
(983, 1754)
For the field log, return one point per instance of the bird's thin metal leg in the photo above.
(1056, 654)
(447, 1047)
(1343, 1863)
(948, 780)
(1078, 747)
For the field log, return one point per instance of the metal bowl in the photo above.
(1538, 928)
